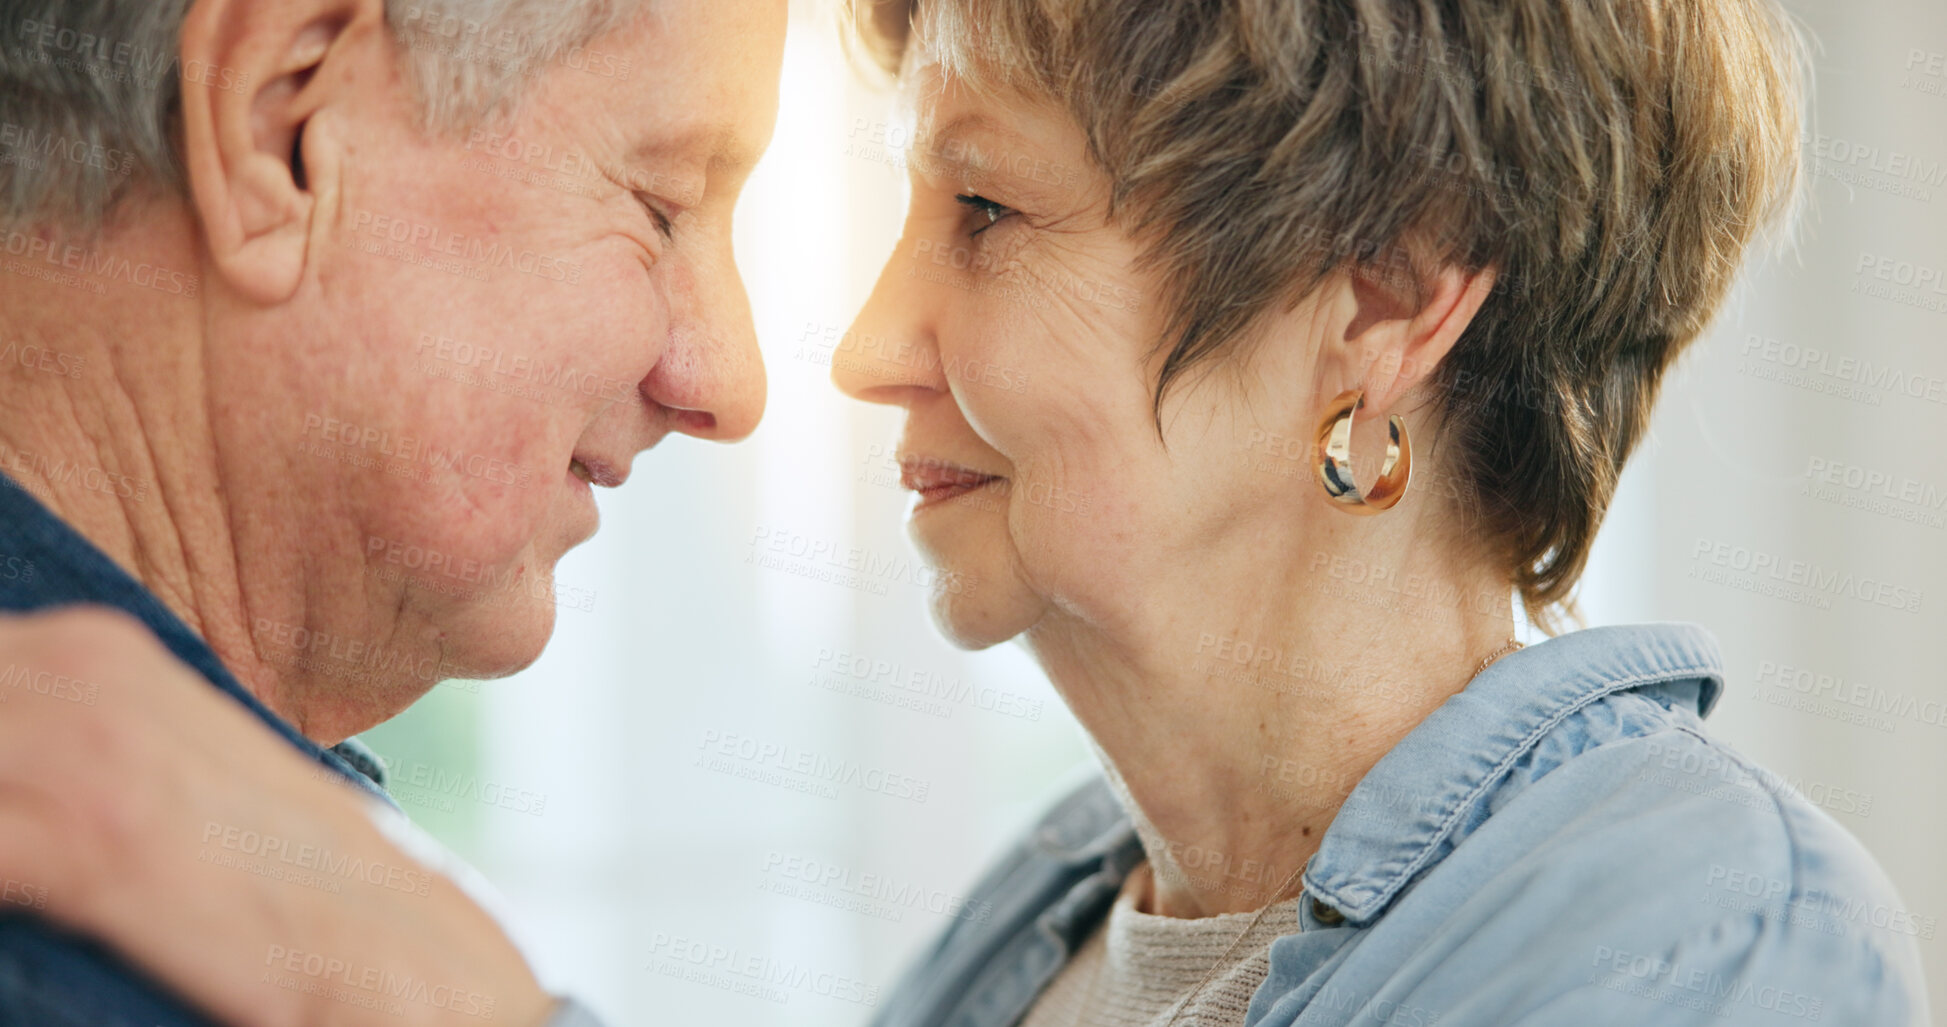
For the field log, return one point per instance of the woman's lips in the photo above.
(936, 481)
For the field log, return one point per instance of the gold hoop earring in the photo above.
(1332, 459)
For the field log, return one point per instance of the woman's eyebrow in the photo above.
(1005, 155)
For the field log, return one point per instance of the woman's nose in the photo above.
(892, 349)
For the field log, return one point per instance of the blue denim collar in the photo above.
(53, 565)
(1402, 814)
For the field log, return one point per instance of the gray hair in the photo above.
(90, 90)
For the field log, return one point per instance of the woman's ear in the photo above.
(1404, 325)
(253, 75)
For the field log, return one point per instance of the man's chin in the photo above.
(498, 641)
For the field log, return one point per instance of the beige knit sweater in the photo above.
(1137, 968)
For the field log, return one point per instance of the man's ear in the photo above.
(253, 74)
(1405, 325)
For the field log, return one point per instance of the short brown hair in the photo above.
(1611, 159)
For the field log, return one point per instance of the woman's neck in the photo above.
(1235, 732)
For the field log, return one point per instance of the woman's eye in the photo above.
(662, 222)
(985, 212)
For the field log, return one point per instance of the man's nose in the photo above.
(892, 349)
(711, 372)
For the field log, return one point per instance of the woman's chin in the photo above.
(980, 617)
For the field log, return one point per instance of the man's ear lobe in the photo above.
(253, 75)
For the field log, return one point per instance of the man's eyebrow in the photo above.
(729, 152)
(723, 150)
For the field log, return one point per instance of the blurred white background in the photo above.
(642, 854)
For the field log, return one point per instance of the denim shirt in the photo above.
(48, 977)
(1560, 843)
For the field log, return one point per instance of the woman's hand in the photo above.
(144, 808)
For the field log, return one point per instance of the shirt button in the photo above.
(1325, 914)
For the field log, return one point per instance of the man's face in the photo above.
(490, 322)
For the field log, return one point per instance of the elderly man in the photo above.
(319, 321)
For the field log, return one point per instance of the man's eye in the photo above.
(661, 220)
(985, 212)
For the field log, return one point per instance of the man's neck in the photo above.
(106, 420)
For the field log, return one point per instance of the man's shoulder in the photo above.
(50, 978)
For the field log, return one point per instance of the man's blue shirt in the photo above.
(50, 978)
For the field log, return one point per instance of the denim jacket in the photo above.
(1558, 843)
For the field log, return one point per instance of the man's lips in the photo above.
(937, 481)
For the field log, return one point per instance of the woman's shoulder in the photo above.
(1658, 873)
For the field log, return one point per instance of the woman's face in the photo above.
(1014, 326)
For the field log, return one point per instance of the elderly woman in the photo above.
(1281, 239)
(1343, 318)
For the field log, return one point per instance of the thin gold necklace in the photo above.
(1512, 645)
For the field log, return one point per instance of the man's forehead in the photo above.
(709, 92)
